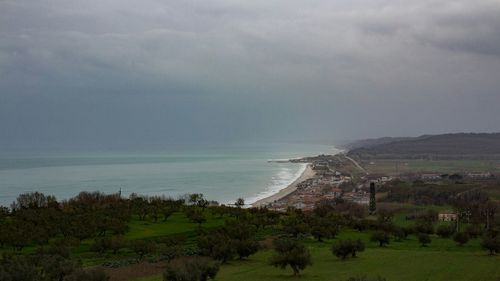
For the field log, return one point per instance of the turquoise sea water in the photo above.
(221, 172)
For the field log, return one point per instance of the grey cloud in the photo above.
(153, 71)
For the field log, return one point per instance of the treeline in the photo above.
(421, 193)
(54, 228)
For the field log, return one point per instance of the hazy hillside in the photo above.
(447, 146)
(370, 142)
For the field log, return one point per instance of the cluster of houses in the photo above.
(325, 185)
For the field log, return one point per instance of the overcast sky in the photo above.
(121, 72)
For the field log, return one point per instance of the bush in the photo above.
(424, 227)
(245, 248)
(474, 231)
(101, 245)
(217, 245)
(116, 243)
(323, 228)
(381, 237)
(461, 238)
(169, 252)
(142, 247)
(491, 243)
(445, 231)
(424, 239)
(191, 269)
(399, 233)
(345, 248)
(289, 252)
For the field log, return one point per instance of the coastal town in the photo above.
(339, 177)
(326, 180)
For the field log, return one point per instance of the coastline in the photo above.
(306, 174)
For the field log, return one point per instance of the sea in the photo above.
(222, 173)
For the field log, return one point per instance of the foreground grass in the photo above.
(442, 260)
(177, 224)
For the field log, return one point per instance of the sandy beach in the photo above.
(307, 174)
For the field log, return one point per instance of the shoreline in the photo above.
(306, 174)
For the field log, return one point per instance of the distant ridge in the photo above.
(445, 146)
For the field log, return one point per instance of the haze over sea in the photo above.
(221, 172)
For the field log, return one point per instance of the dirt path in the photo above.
(356, 164)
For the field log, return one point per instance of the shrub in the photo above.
(169, 252)
(191, 269)
(116, 243)
(345, 248)
(101, 245)
(445, 231)
(290, 252)
(474, 231)
(491, 243)
(381, 237)
(424, 227)
(399, 233)
(217, 245)
(424, 239)
(461, 238)
(142, 247)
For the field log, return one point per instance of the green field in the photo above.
(177, 224)
(401, 166)
(442, 260)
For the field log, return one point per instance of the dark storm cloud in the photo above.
(153, 71)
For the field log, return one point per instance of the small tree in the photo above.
(461, 238)
(424, 227)
(296, 225)
(474, 230)
(445, 231)
(491, 243)
(424, 239)
(217, 245)
(116, 243)
(240, 202)
(290, 252)
(323, 228)
(245, 248)
(196, 216)
(167, 212)
(101, 245)
(345, 248)
(191, 269)
(169, 252)
(399, 233)
(142, 247)
(381, 237)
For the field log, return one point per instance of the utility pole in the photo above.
(373, 203)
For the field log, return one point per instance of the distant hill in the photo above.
(447, 146)
(370, 142)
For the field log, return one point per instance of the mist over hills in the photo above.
(444, 146)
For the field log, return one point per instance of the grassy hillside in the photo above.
(442, 260)
(448, 146)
